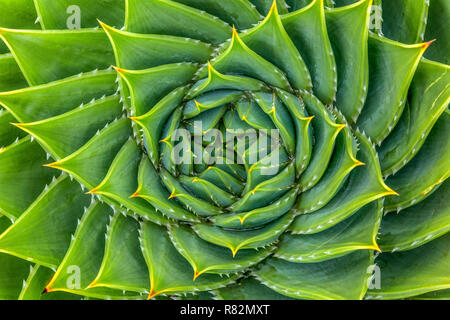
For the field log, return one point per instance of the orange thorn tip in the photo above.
(196, 275)
(18, 125)
(93, 191)
(425, 45)
(135, 195)
(152, 294)
(172, 195)
(392, 192)
(359, 163)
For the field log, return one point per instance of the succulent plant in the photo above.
(93, 204)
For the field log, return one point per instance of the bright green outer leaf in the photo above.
(169, 271)
(150, 85)
(35, 284)
(250, 239)
(61, 14)
(66, 133)
(429, 168)
(429, 97)
(365, 184)
(123, 265)
(85, 252)
(42, 233)
(45, 56)
(205, 257)
(340, 278)
(240, 59)
(438, 12)
(342, 163)
(434, 295)
(8, 133)
(22, 176)
(307, 29)
(169, 18)
(355, 233)
(121, 181)
(84, 257)
(248, 289)
(11, 78)
(325, 134)
(235, 12)
(351, 55)
(91, 162)
(267, 38)
(49, 100)
(392, 66)
(405, 20)
(151, 189)
(264, 6)
(413, 272)
(19, 14)
(136, 51)
(259, 216)
(13, 273)
(418, 224)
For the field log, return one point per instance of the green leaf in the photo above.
(59, 14)
(46, 56)
(13, 273)
(392, 66)
(308, 31)
(149, 86)
(11, 77)
(22, 177)
(66, 133)
(418, 224)
(351, 55)
(341, 278)
(49, 100)
(365, 184)
(151, 189)
(325, 134)
(169, 271)
(42, 234)
(169, 18)
(240, 13)
(270, 40)
(250, 239)
(123, 266)
(428, 169)
(405, 275)
(355, 233)
(136, 51)
(429, 96)
(238, 58)
(91, 162)
(405, 21)
(248, 289)
(121, 181)
(8, 133)
(438, 11)
(84, 257)
(205, 257)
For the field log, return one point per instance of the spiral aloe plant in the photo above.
(93, 203)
